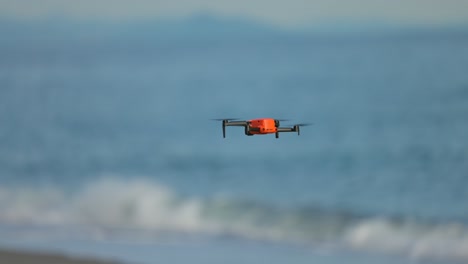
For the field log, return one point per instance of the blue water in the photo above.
(106, 139)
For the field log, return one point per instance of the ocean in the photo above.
(108, 147)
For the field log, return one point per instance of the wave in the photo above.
(148, 206)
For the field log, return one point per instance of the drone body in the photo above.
(260, 126)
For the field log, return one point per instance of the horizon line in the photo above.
(319, 25)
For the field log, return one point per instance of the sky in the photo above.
(290, 13)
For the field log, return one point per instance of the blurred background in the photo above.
(107, 147)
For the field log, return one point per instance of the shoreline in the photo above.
(13, 256)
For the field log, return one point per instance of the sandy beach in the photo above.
(19, 257)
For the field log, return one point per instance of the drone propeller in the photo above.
(297, 127)
(223, 124)
(304, 124)
(224, 119)
(301, 124)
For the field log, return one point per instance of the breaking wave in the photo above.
(147, 206)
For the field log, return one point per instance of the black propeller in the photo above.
(304, 124)
(297, 127)
(227, 119)
(223, 124)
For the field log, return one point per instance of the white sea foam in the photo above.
(137, 204)
(417, 240)
(147, 206)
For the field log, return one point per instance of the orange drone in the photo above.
(260, 126)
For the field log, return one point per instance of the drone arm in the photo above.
(288, 129)
(232, 123)
(235, 123)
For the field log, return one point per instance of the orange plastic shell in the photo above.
(262, 126)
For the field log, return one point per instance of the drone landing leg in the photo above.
(224, 128)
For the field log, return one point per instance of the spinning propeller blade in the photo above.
(304, 124)
(297, 127)
(224, 119)
(223, 123)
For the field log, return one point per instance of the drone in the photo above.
(260, 126)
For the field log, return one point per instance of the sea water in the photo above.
(107, 147)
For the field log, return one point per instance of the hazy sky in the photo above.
(284, 13)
